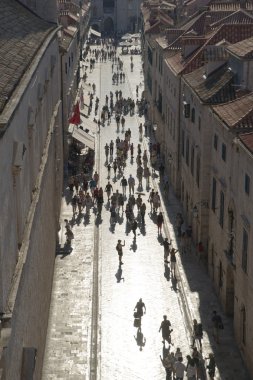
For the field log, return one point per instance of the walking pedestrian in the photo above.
(160, 221)
(190, 369)
(179, 223)
(119, 248)
(211, 366)
(140, 308)
(132, 150)
(217, 326)
(131, 184)
(173, 261)
(180, 368)
(134, 226)
(115, 167)
(143, 212)
(151, 199)
(167, 362)
(121, 202)
(108, 189)
(139, 202)
(106, 150)
(123, 183)
(166, 247)
(111, 148)
(166, 330)
(69, 234)
(156, 201)
(74, 203)
(196, 358)
(178, 353)
(139, 175)
(197, 333)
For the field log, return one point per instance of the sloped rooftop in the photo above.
(21, 35)
(214, 89)
(247, 140)
(243, 48)
(237, 114)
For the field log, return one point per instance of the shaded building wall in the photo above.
(31, 195)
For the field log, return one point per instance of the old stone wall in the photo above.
(30, 315)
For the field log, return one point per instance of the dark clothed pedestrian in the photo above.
(166, 330)
(119, 248)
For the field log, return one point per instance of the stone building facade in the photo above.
(115, 16)
(198, 83)
(35, 86)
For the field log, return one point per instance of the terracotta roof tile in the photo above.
(21, 35)
(243, 48)
(214, 89)
(237, 114)
(238, 17)
(247, 140)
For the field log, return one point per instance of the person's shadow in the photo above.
(133, 246)
(166, 271)
(118, 275)
(143, 229)
(174, 284)
(140, 339)
(98, 220)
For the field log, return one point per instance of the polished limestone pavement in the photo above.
(121, 353)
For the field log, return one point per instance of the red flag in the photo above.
(75, 118)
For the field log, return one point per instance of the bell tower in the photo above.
(46, 9)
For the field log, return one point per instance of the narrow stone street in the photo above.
(143, 276)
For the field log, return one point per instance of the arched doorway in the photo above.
(95, 27)
(108, 25)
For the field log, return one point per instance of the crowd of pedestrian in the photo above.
(125, 197)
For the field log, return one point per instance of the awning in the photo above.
(89, 124)
(93, 31)
(84, 138)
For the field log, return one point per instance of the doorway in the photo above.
(108, 25)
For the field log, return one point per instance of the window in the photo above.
(183, 143)
(149, 82)
(72, 57)
(244, 250)
(186, 109)
(192, 160)
(187, 151)
(247, 184)
(199, 124)
(193, 115)
(214, 195)
(150, 56)
(243, 321)
(66, 68)
(69, 61)
(221, 217)
(224, 152)
(215, 142)
(198, 171)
